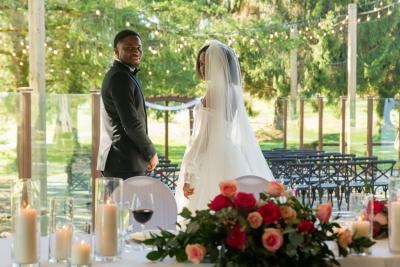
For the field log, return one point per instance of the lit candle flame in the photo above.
(82, 242)
(108, 201)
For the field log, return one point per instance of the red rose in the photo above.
(245, 202)
(270, 212)
(220, 202)
(376, 206)
(236, 237)
(376, 229)
(306, 226)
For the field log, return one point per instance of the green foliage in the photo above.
(79, 50)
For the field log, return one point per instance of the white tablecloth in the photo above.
(379, 257)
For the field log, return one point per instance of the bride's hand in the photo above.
(187, 190)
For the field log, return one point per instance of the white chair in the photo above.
(165, 208)
(252, 184)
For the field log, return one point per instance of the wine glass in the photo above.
(142, 207)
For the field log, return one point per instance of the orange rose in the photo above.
(275, 189)
(228, 188)
(195, 253)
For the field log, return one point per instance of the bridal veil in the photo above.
(223, 145)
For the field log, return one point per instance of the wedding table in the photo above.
(380, 257)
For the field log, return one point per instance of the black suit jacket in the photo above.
(131, 148)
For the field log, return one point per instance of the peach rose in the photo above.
(275, 189)
(288, 213)
(272, 239)
(324, 212)
(195, 253)
(228, 188)
(255, 219)
(381, 219)
(344, 239)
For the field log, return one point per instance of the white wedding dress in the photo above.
(223, 145)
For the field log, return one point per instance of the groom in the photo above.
(125, 149)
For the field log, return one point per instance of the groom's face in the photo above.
(129, 51)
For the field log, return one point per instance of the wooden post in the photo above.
(398, 144)
(320, 123)
(95, 143)
(301, 123)
(293, 74)
(25, 134)
(343, 124)
(370, 104)
(166, 131)
(191, 120)
(285, 109)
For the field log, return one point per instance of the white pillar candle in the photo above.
(106, 229)
(80, 253)
(361, 228)
(63, 242)
(394, 223)
(25, 239)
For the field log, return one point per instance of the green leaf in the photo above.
(154, 255)
(186, 213)
(296, 239)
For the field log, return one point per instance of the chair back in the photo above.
(165, 208)
(252, 184)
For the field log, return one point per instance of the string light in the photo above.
(167, 71)
(127, 24)
(150, 73)
(98, 13)
(379, 15)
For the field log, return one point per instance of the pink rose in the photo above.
(255, 220)
(220, 202)
(272, 239)
(324, 212)
(195, 253)
(245, 202)
(275, 189)
(344, 239)
(236, 237)
(270, 212)
(380, 218)
(228, 188)
(288, 213)
(306, 226)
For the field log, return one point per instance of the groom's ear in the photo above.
(116, 52)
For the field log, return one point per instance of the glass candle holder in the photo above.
(108, 223)
(60, 229)
(361, 205)
(81, 246)
(25, 211)
(394, 214)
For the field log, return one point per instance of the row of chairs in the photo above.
(314, 174)
(166, 172)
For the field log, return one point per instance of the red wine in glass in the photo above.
(142, 215)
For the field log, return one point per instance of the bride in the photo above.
(222, 145)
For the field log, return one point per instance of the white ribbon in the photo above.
(173, 108)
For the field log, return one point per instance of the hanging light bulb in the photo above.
(368, 18)
(341, 28)
(68, 45)
(358, 20)
(127, 24)
(161, 45)
(167, 71)
(389, 12)
(98, 13)
(67, 72)
(379, 15)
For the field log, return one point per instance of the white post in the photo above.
(351, 70)
(293, 74)
(37, 82)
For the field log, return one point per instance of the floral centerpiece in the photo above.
(238, 230)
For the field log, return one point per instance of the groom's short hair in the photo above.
(123, 34)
